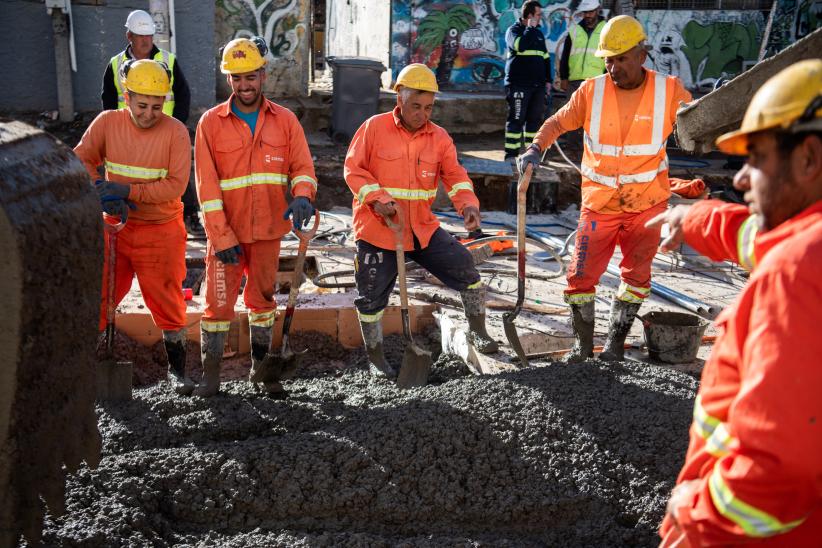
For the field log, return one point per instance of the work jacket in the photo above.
(581, 61)
(528, 63)
(756, 437)
(385, 162)
(154, 162)
(633, 172)
(242, 179)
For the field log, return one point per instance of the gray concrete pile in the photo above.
(554, 455)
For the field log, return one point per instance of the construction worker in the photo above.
(147, 159)
(753, 468)
(393, 163)
(527, 75)
(246, 152)
(578, 62)
(140, 31)
(627, 115)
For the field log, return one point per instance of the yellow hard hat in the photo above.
(793, 95)
(417, 76)
(146, 77)
(620, 34)
(243, 55)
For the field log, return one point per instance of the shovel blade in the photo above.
(416, 365)
(290, 363)
(513, 339)
(113, 380)
(268, 370)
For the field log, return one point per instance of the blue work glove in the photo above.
(108, 189)
(111, 205)
(230, 255)
(531, 156)
(300, 210)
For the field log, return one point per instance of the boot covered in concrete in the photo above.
(473, 302)
(211, 354)
(175, 345)
(582, 321)
(263, 370)
(622, 317)
(377, 364)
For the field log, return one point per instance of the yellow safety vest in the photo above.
(162, 56)
(582, 63)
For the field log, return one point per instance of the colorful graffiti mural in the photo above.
(793, 20)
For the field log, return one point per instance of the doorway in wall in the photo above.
(317, 39)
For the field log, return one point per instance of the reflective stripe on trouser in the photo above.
(259, 262)
(376, 270)
(526, 110)
(597, 237)
(156, 253)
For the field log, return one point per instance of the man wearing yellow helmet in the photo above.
(393, 163)
(247, 151)
(627, 114)
(755, 456)
(147, 160)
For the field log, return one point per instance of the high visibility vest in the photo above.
(582, 63)
(638, 166)
(162, 56)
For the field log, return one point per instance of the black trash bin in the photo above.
(356, 94)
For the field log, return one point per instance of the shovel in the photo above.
(288, 360)
(509, 317)
(416, 362)
(113, 377)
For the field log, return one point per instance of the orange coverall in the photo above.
(242, 183)
(156, 163)
(616, 212)
(756, 438)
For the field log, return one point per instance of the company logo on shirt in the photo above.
(269, 158)
(640, 118)
(426, 173)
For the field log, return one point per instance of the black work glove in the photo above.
(300, 210)
(116, 206)
(108, 189)
(531, 156)
(230, 255)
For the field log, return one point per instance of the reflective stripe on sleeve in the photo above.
(745, 242)
(135, 172)
(460, 186)
(365, 190)
(704, 423)
(211, 205)
(720, 442)
(304, 179)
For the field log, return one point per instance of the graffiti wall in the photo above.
(464, 41)
(793, 19)
(283, 24)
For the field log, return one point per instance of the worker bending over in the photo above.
(627, 114)
(753, 472)
(147, 159)
(246, 153)
(394, 162)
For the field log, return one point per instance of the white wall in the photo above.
(361, 29)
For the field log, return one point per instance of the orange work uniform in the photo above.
(242, 181)
(386, 162)
(155, 163)
(756, 436)
(624, 177)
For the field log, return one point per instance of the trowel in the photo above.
(416, 362)
(113, 377)
(287, 361)
(509, 317)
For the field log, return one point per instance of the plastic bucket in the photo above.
(673, 337)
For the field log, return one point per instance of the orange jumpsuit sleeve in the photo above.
(454, 177)
(173, 185)
(712, 228)
(766, 480)
(568, 118)
(91, 148)
(362, 183)
(301, 168)
(208, 188)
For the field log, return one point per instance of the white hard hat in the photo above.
(588, 5)
(140, 22)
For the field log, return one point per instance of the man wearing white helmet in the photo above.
(578, 62)
(140, 31)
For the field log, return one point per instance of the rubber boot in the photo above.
(211, 354)
(377, 364)
(473, 302)
(262, 372)
(175, 344)
(622, 317)
(582, 321)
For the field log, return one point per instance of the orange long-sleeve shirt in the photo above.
(386, 162)
(155, 162)
(242, 179)
(756, 437)
(572, 116)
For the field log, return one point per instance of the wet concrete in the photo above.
(554, 455)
